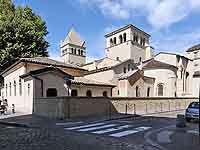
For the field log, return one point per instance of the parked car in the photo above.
(192, 112)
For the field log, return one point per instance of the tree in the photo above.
(22, 33)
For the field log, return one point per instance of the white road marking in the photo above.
(67, 123)
(128, 132)
(85, 126)
(97, 128)
(112, 129)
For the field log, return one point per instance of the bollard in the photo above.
(126, 109)
(180, 121)
(134, 109)
(146, 109)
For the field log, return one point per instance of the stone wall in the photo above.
(73, 107)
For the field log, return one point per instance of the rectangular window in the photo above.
(20, 87)
(28, 89)
(10, 87)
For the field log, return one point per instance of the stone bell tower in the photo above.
(73, 49)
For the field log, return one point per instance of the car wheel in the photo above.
(188, 119)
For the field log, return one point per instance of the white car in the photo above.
(192, 112)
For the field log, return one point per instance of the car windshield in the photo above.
(194, 105)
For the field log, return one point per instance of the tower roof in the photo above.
(194, 48)
(73, 38)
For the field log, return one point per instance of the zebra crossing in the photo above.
(110, 129)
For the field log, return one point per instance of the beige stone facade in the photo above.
(129, 69)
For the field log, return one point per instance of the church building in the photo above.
(129, 69)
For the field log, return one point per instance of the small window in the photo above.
(129, 67)
(115, 40)
(20, 87)
(28, 89)
(105, 94)
(89, 93)
(74, 93)
(137, 91)
(79, 52)
(118, 92)
(160, 89)
(15, 89)
(51, 92)
(72, 50)
(10, 86)
(120, 39)
(117, 58)
(124, 69)
(124, 37)
(148, 91)
(6, 90)
(111, 42)
(140, 59)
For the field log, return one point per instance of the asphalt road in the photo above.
(152, 132)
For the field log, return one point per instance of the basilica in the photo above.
(129, 68)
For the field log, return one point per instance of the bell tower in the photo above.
(73, 49)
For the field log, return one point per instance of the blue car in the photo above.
(192, 112)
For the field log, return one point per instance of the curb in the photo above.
(14, 124)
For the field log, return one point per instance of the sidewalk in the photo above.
(172, 138)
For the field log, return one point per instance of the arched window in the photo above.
(79, 52)
(124, 37)
(124, 69)
(74, 93)
(111, 42)
(137, 91)
(148, 91)
(51, 92)
(140, 59)
(129, 67)
(10, 86)
(15, 89)
(6, 90)
(89, 93)
(115, 40)
(120, 39)
(105, 94)
(20, 87)
(160, 89)
(74, 51)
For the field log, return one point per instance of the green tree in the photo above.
(22, 33)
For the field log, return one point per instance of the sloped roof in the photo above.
(101, 60)
(152, 63)
(43, 70)
(168, 53)
(85, 81)
(73, 38)
(194, 48)
(128, 74)
(111, 67)
(44, 61)
(124, 28)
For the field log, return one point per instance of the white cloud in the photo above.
(176, 42)
(159, 13)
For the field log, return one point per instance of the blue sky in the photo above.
(174, 25)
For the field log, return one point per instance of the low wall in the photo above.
(72, 107)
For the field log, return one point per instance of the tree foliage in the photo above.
(22, 33)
